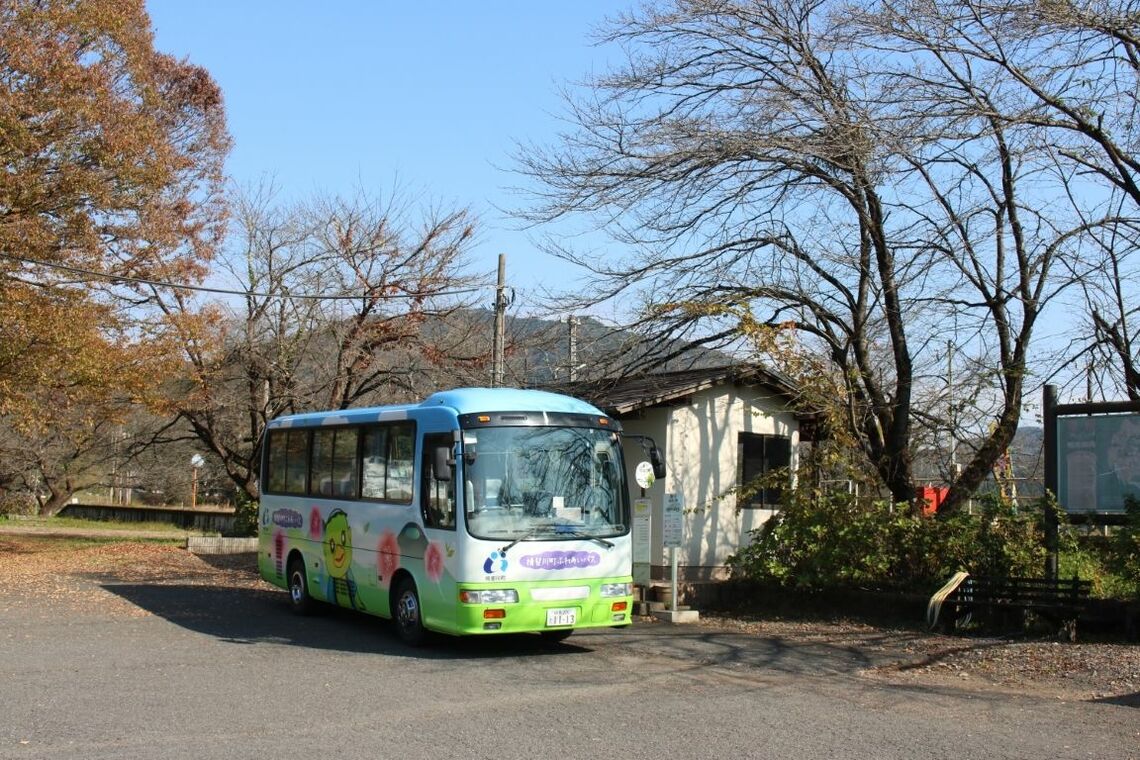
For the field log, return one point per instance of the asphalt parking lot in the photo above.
(191, 660)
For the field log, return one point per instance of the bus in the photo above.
(476, 511)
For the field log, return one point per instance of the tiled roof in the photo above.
(621, 396)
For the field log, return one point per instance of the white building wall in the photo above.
(699, 443)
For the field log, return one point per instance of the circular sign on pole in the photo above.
(643, 475)
(197, 461)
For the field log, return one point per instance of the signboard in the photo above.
(672, 520)
(642, 526)
(1098, 462)
(642, 523)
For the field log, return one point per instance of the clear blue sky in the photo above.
(331, 96)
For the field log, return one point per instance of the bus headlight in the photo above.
(490, 596)
(617, 589)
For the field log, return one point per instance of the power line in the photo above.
(225, 291)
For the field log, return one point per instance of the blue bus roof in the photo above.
(472, 400)
(459, 400)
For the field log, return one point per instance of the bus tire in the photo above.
(299, 600)
(406, 613)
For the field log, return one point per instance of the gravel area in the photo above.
(38, 574)
(1064, 671)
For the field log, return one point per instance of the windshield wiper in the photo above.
(559, 530)
(571, 530)
(528, 535)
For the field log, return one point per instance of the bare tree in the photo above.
(1103, 349)
(1060, 78)
(1081, 89)
(337, 297)
(807, 166)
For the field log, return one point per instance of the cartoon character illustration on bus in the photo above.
(341, 587)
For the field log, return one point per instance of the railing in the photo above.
(207, 519)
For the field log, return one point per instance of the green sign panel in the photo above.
(1098, 462)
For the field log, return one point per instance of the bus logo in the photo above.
(496, 560)
(287, 518)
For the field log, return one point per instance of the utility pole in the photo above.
(572, 349)
(1049, 445)
(950, 394)
(497, 369)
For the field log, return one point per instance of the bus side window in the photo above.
(297, 461)
(322, 456)
(437, 496)
(386, 458)
(344, 473)
(275, 477)
(374, 464)
(401, 457)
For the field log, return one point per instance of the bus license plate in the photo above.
(562, 616)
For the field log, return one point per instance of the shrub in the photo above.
(14, 504)
(1091, 557)
(245, 517)
(826, 541)
(1125, 544)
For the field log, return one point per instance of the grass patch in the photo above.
(74, 523)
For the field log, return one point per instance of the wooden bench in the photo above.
(995, 598)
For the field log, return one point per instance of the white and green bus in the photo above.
(477, 511)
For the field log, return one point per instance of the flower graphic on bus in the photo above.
(433, 561)
(315, 524)
(388, 555)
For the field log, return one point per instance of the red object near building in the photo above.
(931, 497)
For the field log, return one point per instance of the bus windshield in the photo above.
(535, 483)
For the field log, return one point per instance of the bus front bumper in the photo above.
(530, 614)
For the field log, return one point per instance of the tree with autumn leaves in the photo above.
(113, 177)
(112, 210)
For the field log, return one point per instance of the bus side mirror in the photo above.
(442, 463)
(649, 446)
(657, 462)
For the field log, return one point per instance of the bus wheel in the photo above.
(299, 598)
(406, 613)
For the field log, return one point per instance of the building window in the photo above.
(759, 457)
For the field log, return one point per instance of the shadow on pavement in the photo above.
(256, 616)
(747, 650)
(1123, 700)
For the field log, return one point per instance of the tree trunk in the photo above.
(57, 499)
